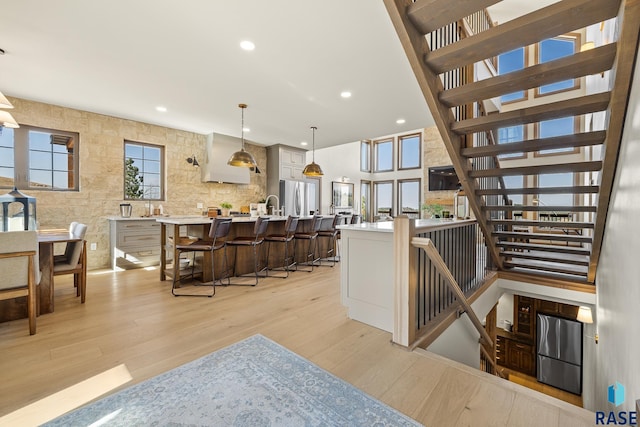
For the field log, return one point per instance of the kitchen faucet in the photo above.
(274, 209)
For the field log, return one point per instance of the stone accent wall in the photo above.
(101, 150)
(435, 154)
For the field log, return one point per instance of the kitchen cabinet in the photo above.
(515, 353)
(134, 242)
(523, 316)
(557, 309)
(284, 162)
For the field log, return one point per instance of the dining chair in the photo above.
(20, 269)
(75, 262)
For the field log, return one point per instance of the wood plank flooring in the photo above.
(131, 318)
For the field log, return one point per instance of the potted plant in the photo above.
(225, 207)
(433, 210)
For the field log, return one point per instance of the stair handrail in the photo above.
(433, 254)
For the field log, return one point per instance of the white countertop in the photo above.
(132, 218)
(387, 226)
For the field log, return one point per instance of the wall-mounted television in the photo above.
(443, 178)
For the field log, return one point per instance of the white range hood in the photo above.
(218, 150)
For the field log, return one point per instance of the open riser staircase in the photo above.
(443, 39)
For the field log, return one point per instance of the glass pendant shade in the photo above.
(313, 169)
(242, 158)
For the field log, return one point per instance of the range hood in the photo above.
(218, 150)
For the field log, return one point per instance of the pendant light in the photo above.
(242, 158)
(313, 169)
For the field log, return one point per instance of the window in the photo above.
(514, 181)
(507, 63)
(511, 134)
(365, 203)
(38, 158)
(409, 197)
(365, 156)
(409, 151)
(383, 151)
(552, 49)
(383, 198)
(555, 180)
(557, 127)
(144, 171)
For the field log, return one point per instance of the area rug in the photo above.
(254, 382)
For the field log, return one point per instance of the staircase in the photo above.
(443, 39)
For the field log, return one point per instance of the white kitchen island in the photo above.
(367, 273)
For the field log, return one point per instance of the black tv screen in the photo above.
(443, 178)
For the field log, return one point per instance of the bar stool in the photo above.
(286, 238)
(332, 235)
(218, 233)
(255, 241)
(312, 237)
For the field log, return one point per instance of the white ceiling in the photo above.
(123, 58)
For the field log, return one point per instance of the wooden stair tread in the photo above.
(429, 15)
(553, 110)
(543, 236)
(584, 261)
(551, 224)
(579, 189)
(538, 170)
(570, 67)
(566, 141)
(523, 264)
(544, 248)
(551, 21)
(540, 208)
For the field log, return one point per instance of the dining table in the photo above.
(16, 308)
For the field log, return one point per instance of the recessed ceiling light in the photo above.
(345, 94)
(161, 108)
(400, 121)
(246, 129)
(247, 45)
(304, 143)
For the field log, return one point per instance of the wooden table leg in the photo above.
(46, 280)
(163, 250)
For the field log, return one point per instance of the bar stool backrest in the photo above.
(355, 219)
(336, 220)
(291, 225)
(260, 229)
(220, 228)
(316, 223)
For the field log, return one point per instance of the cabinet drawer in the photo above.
(142, 225)
(137, 239)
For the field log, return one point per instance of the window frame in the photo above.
(400, 140)
(536, 134)
(525, 92)
(162, 169)
(525, 137)
(374, 189)
(366, 203)
(400, 195)
(376, 144)
(575, 197)
(577, 40)
(367, 167)
(22, 163)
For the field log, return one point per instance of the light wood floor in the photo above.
(131, 317)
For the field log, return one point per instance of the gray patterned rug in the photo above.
(254, 382)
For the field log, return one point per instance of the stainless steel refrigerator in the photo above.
(559, 347)
(299, 198)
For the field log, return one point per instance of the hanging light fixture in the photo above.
(242, 158)
(313, 169)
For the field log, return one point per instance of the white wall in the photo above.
(618, 274)
(505, 310)
(460, 341)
